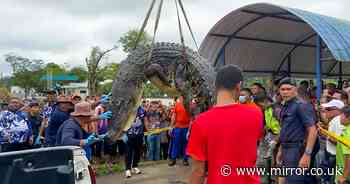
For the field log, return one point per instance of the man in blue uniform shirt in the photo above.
(298, 133)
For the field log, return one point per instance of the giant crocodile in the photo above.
(172, 68)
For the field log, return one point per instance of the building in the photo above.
(80, 89)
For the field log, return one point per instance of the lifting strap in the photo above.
(157, 20)
(188, 23)
(142, 30)
(178, 3)
(179, 24)
(155, 29)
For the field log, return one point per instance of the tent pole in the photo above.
(318, 68)
(340, 79)
(289, 64)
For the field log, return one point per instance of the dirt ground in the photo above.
(153, 173)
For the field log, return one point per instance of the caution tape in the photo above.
(157, 131)
(334, 136)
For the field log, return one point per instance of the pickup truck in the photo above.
(54, 165)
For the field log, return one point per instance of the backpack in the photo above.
(136, 129)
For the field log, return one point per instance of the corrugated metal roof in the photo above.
(60, 77)
(259, 38)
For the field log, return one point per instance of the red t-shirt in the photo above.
(227, 137)
(182, 117)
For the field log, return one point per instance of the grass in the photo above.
(117, 168)
(103, 169)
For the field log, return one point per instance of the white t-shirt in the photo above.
(336, 127)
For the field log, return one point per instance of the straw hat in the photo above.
(82, 109)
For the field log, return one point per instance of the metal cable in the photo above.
(188, 23)
(142, 30)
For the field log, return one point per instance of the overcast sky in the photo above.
(63, 31)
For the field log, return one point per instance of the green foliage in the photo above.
(56, 69)
(5, 82)
(92, 63)
(129, 39)
(80, 72)
(117, 168)
(108, 72)
(53, 68)
(103, 169)
(151, 91)
(248, 82)
(105, 88)
(25, 72)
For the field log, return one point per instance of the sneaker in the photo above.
(172, 162)
(186, 163)
(127, 173)
(135, 170)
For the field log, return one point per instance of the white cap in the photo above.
(334, 103)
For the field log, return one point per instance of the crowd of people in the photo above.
(26, 124)
(69, 120)
(272, 128)
(144, 139)
(247, 127)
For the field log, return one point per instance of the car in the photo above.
(52, 165)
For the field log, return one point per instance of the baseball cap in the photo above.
(287, 80)
(334, 103)
(228, 76)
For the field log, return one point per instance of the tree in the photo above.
(54, 69)
(80, 72)
(109, 71)
(105, 88)
(5, 82)
(151, 91)
(25, 72)
(92, 63)
(50, 69)
(129, 39)
(107, 74)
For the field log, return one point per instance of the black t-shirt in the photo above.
(35, 122)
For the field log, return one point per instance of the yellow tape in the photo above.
(334, 136)
(157, 131)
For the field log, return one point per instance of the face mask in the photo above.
(242, 99)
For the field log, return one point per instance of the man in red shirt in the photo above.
(180, 121)
(225, 137)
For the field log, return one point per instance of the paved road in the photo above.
(159, 173)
